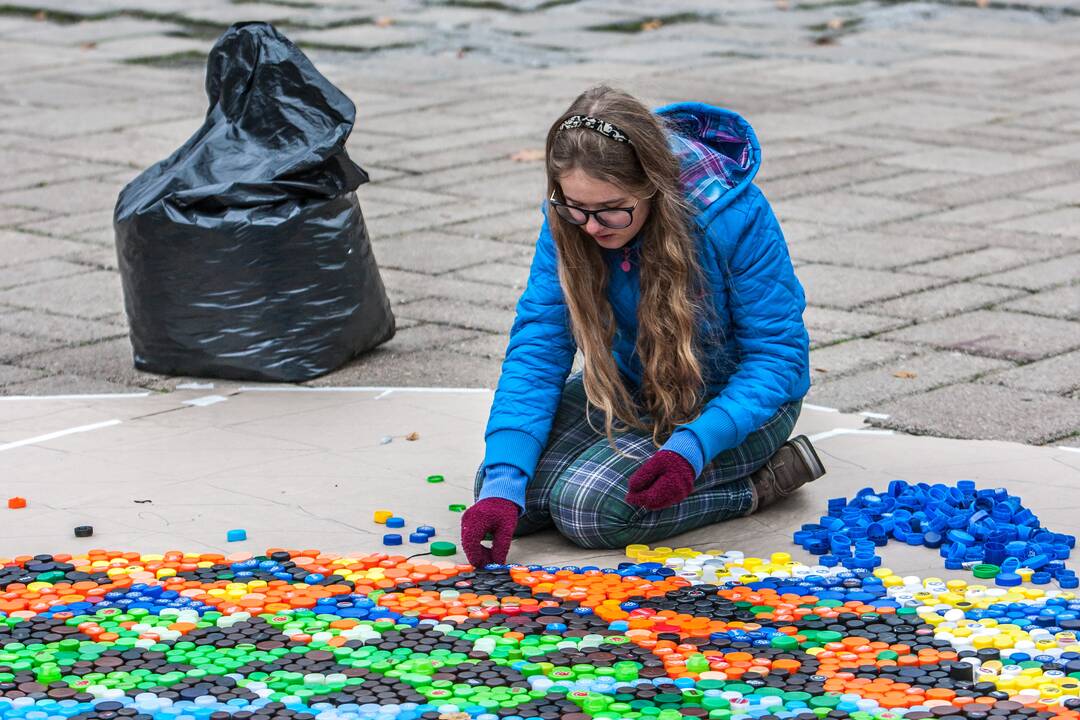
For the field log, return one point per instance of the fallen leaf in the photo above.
(41, 16)
(384, 21)
(824, 40)
(905, 374)
(835, 24)
(413, 436)
(652, 25)
(88, 45)
(143, 502)
(820, 370)
(528, 155)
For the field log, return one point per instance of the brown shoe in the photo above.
(792, 466)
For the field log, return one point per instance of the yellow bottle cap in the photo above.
(381, 516)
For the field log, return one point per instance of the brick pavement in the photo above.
(924, 159)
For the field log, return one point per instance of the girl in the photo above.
(664, 265)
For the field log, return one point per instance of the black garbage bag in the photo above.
(244, 254)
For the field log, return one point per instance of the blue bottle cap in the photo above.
(418, 538)
(1007, 579)
(391, 539)
(395, 522)
(959, 536)
(427, 530)
(236, 535)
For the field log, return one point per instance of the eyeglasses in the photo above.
(612, 218)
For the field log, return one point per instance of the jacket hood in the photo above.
(718, 151)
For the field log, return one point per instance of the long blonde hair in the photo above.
(670, 275)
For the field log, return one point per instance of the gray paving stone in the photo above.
(426, 337)
(15, 275)
(843, 287)
(993, 333)
(406, 287)
(518, 226)
(513, 276)
(1065, 221)
(911, 182)
(20, 247)
(485, 345)
(845, 324)
(825, 180)
(15, 346)
(1039, 275)
(979, 162)
(983, 188)
(39, 324)
(67, 385)
(12, 374)
(428, 368)
(848, 210)
(442, 215)
(110, 360)
(959, 297)
(28, 170)
(435, 253)
(11, 215)
(1059, 374)
(456, 314)
(1066, 193)
(69, 197)
(993, 211)
(90, 295)
(853, 355)
(982, 261)
(900, 376)
(1062, 302)
(877, 251)
(984, 411)
(360, 37)
(60, 123)
(980, 236)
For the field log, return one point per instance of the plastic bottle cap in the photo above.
(1007, 579)
(456, 508)
(395, 522)
(16, 503)
(391, 539)
(236, 535)
(985, 571)
(84, 531)
(381, 516)
(435, 478)
(419, 538)
(443, 549)
(426, 530)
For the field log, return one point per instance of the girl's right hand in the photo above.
(493, 515)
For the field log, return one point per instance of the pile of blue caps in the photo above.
(964, 524)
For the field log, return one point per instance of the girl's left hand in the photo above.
(664, 480)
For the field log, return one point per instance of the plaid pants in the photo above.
(580, 483)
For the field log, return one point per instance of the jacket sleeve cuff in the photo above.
(686, 444)
(506, 482)
(513, 447)
(715, 431)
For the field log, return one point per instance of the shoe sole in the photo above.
(808, 455)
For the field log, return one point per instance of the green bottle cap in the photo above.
(443, 549)
(457, 508)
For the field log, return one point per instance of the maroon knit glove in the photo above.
(664, 480)
(491, 515)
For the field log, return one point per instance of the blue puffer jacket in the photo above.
(755, 344)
